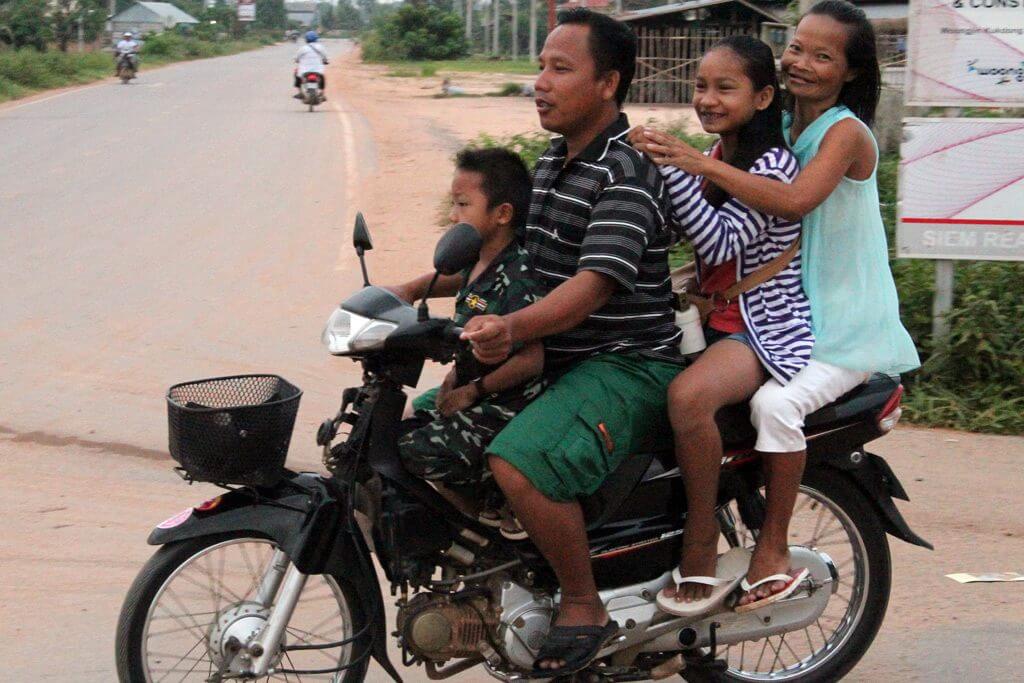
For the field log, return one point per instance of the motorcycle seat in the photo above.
(863, 402)
(738, 433)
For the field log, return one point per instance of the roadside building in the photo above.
(305, 14)
(672, 38)
(143, 18)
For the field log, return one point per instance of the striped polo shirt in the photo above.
(776, 313)
(606, 210)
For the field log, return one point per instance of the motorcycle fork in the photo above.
(264, 649)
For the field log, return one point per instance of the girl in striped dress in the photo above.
(765, 332)
(831, 71)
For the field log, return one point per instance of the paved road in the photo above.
(193, 223)
(197, 223)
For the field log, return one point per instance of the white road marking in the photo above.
(349, 152)
(73, 89)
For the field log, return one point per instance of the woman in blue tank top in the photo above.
(831, 70)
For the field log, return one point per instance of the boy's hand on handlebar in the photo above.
(457, 399)
(490, 337)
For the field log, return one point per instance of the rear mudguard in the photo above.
(876, 480)
(303, 517)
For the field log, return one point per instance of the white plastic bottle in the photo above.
(688, 320)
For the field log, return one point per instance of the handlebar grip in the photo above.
(452, 334)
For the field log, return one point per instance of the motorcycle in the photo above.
(126, 66)
(311, 93)
(275, 579)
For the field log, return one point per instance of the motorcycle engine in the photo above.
(441, 627)
(514, 622)
(525, 621)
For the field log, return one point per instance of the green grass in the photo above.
(24, 72)
(470, 64)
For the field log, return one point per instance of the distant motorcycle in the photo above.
(274, 578)
(126, 66)
(312, 94)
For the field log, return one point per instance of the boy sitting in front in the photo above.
(490, 191)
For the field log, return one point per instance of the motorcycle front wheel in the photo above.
(193, 596)
(831, 515)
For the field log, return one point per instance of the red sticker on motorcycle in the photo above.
(209, 505)
(176, 520)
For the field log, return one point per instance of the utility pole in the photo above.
(469, 24)
(497, 28)
(111, 9)
(551, 15)
(515, 29)
(533, 30)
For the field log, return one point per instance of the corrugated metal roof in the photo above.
(165, 11)
(650, 13)
(300, 6)
(891, 10)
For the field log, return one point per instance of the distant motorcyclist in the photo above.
(127, 48)
(311, 58)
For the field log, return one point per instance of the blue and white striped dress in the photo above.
(777, 313)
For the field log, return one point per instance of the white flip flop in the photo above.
(792, 583)
(729, 572)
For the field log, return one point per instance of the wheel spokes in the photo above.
(817, 523)
(210, 597)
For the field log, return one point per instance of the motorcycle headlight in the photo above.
(346, 332)
(372, 336)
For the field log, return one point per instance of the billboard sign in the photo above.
(961, 188)
(246, 10)
(965, 53)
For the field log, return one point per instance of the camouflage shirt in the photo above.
(453, 449)
(506, 285)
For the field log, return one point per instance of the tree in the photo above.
(271, 14)
(326, 16)
(347, 17)
(23, 23)
(369, 9)
(419, 32)
(65, 15)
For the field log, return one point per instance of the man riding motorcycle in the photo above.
(127, 48)
(311, 58)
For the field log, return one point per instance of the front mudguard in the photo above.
(876, 480)
(305, 517)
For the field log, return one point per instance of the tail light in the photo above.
(312, 77)
(891, 411)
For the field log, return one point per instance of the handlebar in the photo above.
(453, 334)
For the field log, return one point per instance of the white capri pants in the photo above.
(777, 410)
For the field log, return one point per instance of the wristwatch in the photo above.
(479, 384)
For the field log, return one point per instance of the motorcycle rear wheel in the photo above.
(145, 647)
(833, 516)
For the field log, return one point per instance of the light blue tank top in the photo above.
(855, 312)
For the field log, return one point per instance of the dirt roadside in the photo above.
(416, 135)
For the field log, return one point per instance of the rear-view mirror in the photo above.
(458, 249)
(361, 235)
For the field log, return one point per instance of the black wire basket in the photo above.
(232, 430)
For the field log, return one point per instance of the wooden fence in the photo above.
(667, 59)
